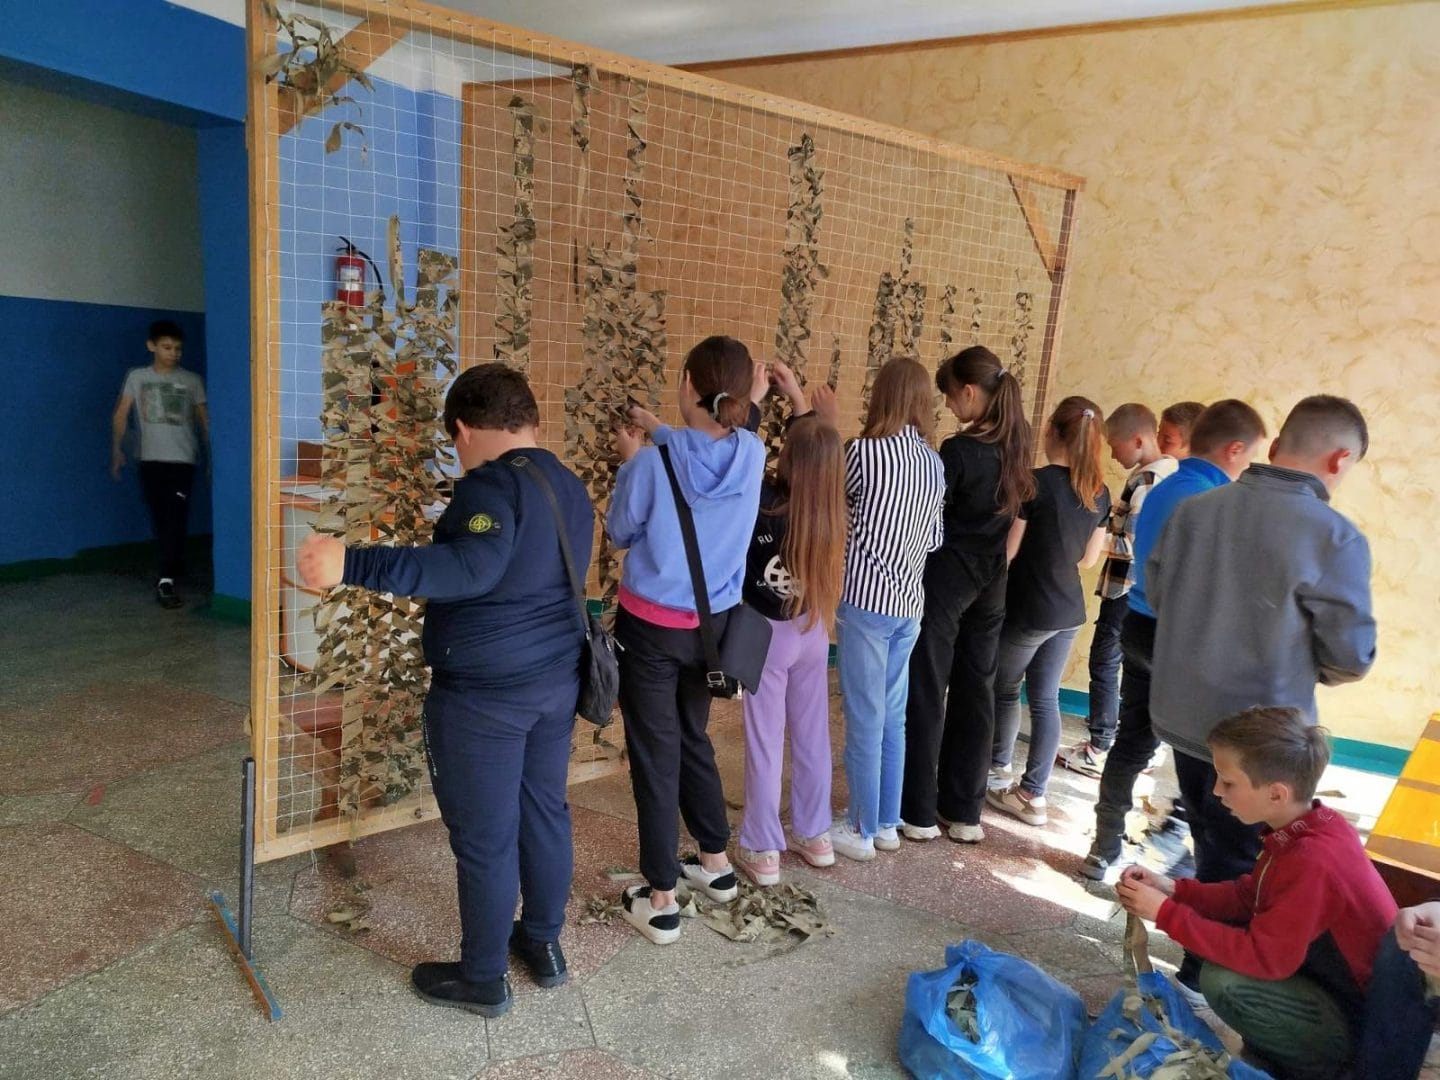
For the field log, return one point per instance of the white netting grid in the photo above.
(664, 210)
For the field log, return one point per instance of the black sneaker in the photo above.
(166, 595)
(442, 984)
(544, 959)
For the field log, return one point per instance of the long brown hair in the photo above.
(811, 473)
(899, 398)
(1003, 423)
(1079, 425)
(720, 370)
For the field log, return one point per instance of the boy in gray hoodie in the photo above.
(1261, 590)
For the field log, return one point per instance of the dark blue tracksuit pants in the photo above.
(498, 763)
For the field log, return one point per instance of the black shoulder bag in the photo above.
(600, 671)
(737, 660)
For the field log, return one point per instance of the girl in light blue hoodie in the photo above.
(663, 695)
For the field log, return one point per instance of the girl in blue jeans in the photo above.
(894, 493)
(1059, 532)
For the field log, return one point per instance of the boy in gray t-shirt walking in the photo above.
(169, 405)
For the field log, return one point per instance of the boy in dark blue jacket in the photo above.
(503, 638)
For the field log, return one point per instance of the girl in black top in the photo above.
(1060, 532)
(792, 576)
(987, 478)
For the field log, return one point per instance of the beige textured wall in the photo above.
(1262, 220)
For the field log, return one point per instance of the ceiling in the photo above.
(695, 31)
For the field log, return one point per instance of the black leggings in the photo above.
(666, 706)
(948, 736)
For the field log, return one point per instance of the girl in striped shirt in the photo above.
(894, 491)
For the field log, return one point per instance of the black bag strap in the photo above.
(714, 677)
(524, 465)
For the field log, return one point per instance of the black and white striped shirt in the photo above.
(895, 490)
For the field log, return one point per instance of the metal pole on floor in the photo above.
(237, 936)
(247, 855)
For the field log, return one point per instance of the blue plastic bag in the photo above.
(1112, 1034)
(1030, 1025)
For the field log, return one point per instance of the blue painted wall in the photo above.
(65, 363)
(104, 52)
(144, 55)
(225, 240)
(160, 60)
(410, 168)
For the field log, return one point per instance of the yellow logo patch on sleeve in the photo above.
(483, 523)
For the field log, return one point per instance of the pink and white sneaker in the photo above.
(815, 850)
(761, 867)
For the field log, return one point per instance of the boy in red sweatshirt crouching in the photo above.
(1289, 947)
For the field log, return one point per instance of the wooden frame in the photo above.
(263, 118)
(382, 24)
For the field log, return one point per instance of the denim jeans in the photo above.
(1398, 1018)
(1105, 671)
(874, 659)
(1036, 658)
(1135, 740)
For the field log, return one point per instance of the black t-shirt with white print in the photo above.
(1044, 590)
(767, 581)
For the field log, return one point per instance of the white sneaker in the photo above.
(965, 834)
(887, 839)
(1000, 777)
(850, 843)
(1029, 809)
(662, 926)
(720, 886)
(919, 832)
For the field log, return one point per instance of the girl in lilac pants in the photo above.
(794, 696)
(793, 574)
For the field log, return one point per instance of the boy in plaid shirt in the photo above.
(1131, 431)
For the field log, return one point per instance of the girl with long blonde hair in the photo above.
(894, 491)
(793, 575)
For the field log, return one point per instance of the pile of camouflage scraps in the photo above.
(787, 914)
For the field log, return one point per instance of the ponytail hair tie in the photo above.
(711, 404)
(1088, 414)
(1000, 374)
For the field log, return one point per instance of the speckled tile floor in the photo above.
(120, 737)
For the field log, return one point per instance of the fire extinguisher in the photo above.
(350, 274)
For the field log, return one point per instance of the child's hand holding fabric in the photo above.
(1143, 893)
